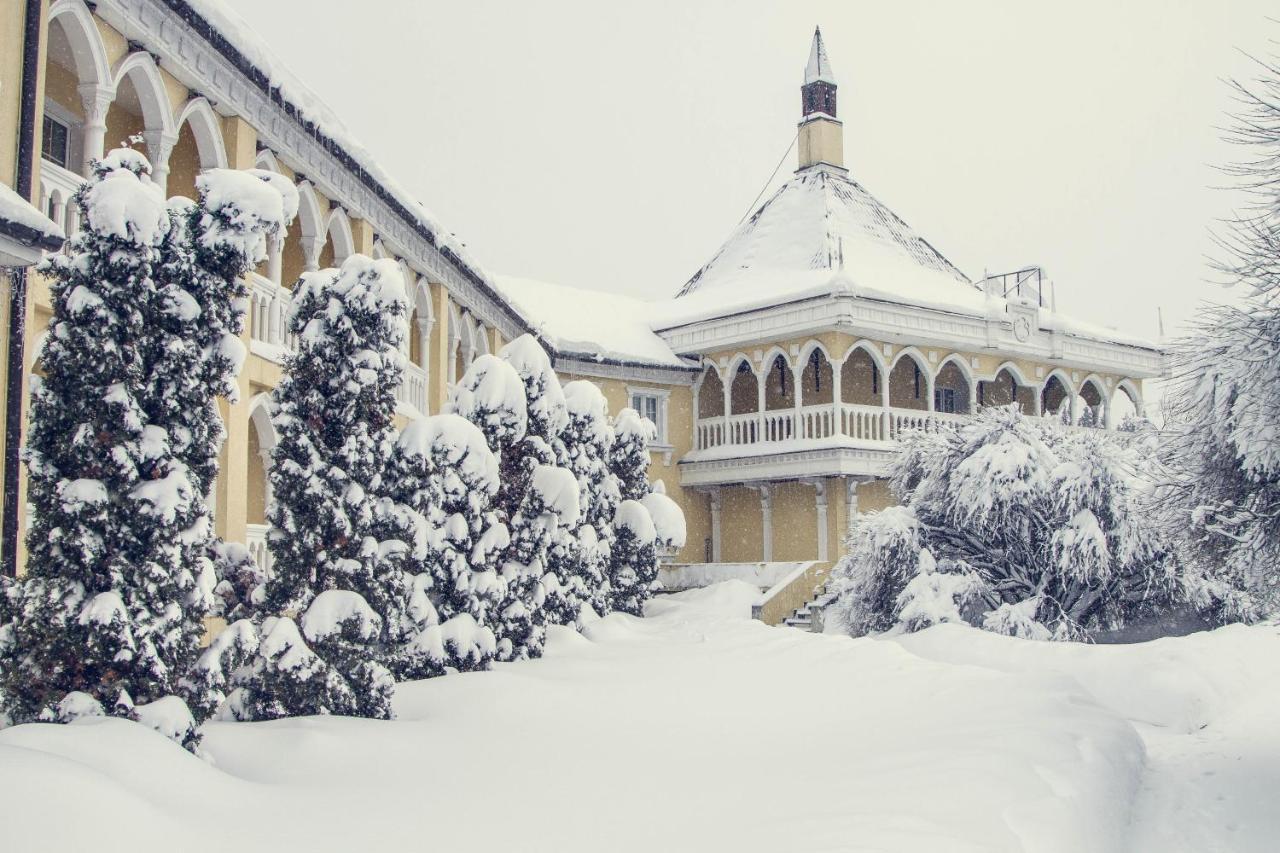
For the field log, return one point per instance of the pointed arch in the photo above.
(1009, 385)
(816, 373)
(206, 127)
(910, 387)
(708, 389)
(779, 380)
(87, 50)
(954, 386)
(862, 375)
(265, 159)
(744, 386)
(378, 251)
(1056, 393)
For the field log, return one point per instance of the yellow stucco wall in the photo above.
(741, 531)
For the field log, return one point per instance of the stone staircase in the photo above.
(808, 616)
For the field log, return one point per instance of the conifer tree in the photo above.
(580, 558)
(516, 400)
(108, 617)
(629, 454)
(635, 559)
(442, 472)
(333, 411)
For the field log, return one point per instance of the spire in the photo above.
(821, 137)
(819, 67)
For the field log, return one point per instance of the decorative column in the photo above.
(275, 257)
(311, 249)
(797, 389)
(424, 356)
(837, 405)
(96, 100)
(760, 407)
(265, 453)
(766, 519)
(850, 503)
(1037, 407)
(159, 146)
(820, 504)
(717, 503)
(728, 409)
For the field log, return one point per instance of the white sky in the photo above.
(615, 146)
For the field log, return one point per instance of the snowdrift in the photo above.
(695, 729)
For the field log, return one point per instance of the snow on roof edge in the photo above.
(232, 36)
(23, 222)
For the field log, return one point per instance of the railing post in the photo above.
(836, 404)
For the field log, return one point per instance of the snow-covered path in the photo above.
(698, 729)
(1216, 789)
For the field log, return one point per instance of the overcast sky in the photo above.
(615, 146)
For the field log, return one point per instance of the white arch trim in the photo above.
(1015, 371)
(207, 130)
(311, 220)
(339, 230)
(87, 48)
(260, 420)
(877, 358)
(142, 72)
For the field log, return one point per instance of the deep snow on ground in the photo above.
(698, 729)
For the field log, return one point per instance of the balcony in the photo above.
(803, 414)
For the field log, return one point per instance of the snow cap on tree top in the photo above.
(668, 519)
(453, 441)
(242, 208)
(547, 408)
(122, 202)
(634, 517)
(491, 393)
(558, 489)
(628, 422)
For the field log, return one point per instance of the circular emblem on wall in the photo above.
(1022, 328)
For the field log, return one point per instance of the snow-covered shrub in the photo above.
(580, 559)
(668, 519)
(635, 558)
(1010, 510)
(123, 443)
(442, 471)
(629, 455)
(333, 410)
(516, 400)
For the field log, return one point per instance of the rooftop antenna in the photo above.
(1160, 320)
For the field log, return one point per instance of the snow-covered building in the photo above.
(779, 375)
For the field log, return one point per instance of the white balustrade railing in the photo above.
(57, 186)
(256, 541)
(268, 318)
(825, 420)
(413, 390)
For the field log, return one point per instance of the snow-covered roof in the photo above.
(236, 39)
(818, 67)
(21, 222)
(822, 231)
(590, 323)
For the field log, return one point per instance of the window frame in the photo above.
(661, 398)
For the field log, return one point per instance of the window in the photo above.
(944, 400)
(651, 404)
(56, 141)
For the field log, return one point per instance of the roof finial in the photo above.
(819, 67)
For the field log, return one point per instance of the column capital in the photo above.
(96, 98)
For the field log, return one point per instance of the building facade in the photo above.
(779, 377)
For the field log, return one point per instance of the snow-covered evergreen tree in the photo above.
(580, 559)
(333, 410)
(1222, 450)
(516, 401)
(108, 617)
(1012, 510)
(442, 470)
(635, 559)
(629, 454)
